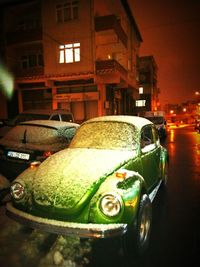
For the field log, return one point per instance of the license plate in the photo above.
(18, 155)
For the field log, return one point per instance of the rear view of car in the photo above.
(38, 114)
(32, 141)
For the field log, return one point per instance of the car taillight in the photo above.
(35, 164)
(46, 154)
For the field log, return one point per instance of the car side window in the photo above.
(55, 117)
(156, 135)
(147, 137)
(67, 117)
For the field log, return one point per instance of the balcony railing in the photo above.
(31, 72)
(109, 66)
(23, 36)
(110, 22)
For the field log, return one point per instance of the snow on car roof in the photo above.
(46, 111)
(50, 123)
(138, 122)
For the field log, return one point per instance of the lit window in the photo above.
(66, 10)
(141, 90)
(69, 53)
(140, 103)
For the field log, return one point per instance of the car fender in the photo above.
(129, 188)
(132, 195)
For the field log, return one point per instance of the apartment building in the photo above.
(148, 89)
(79, 55)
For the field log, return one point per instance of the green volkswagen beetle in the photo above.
(101, 186)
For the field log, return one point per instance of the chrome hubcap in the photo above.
(145, 225)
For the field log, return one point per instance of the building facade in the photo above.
(148, 89)
(77, 55)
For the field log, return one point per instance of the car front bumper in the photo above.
(82, 230)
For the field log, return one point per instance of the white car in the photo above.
(37, 114)
(32, 141)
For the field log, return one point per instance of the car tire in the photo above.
(136, 240)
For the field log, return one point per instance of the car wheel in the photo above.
(137, 237)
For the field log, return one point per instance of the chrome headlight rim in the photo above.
(17, 191)
(111, 204)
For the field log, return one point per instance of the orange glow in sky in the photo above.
(170, 32)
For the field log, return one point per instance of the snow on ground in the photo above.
(21, 246)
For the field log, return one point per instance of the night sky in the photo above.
(171, 33)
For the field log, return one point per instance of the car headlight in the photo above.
(17, 191)
(111, 204)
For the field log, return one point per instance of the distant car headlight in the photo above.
(17, 191)
(111, 204)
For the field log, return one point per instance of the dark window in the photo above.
(67, 10)
(32, 61)
(67, 117)
(55, 117)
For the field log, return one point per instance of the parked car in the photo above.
(158, 118)
(37, 114)
(32, 141)
(101, 186)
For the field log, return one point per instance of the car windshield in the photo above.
(156, 120)
(105, 135)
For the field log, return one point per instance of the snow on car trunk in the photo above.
(64, 179)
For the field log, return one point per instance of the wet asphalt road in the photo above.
(175, 237)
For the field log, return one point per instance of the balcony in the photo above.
(32, 72)
(109, 66)
(18, 37)
(109, 22)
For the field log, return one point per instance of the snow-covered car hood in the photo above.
(72, 175)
